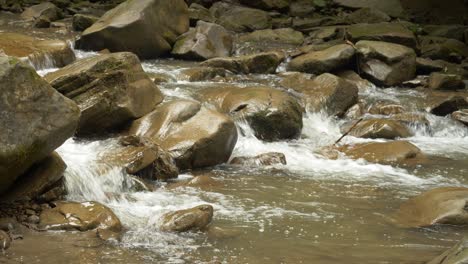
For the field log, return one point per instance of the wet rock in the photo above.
(198, 12)
(5, 240)
(147, 28)
(386, 63)
(194, 135)
(380, 128)
(218, 233)
(81, 22)
(266, 159)
(258, 63)
(440, 81)
(286, 36)
(41, 53)
(203, 182)
(194, 219)
(458, 254)
(386, 108)
(272, 114)
(205, 41)
(392, 7)
(144, 158)
(85, 216)
(317, 62)
(368, 15)
(239, 18)
(110, 89)
(200, 74)
(391, 153)
(386, 32)
(444, 205)
(37, 180)
(461, 116)
(355, 111)
(45, 10)
(437, 48)
(327, 92)
(35, 119)
(449, 105)
(412, 119)
(267, 4)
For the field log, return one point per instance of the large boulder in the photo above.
(272, 114)
(385, 63)
(328, 93)
(39, 52)
(110, 89)
(387, 32)
(380, 128)
(388, 153)
(45, 10)
(444, 205)
(39, 179)
(198, 12)
(193, 219)
(258, 63)
(73, 216)
(147, 28)
(206, 41)
(447, 105)
(240, 19)
(35, 121)
(458, 254)
(194, 135)
(317, 62)
(392, 7)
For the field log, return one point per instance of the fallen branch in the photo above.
(349, 131)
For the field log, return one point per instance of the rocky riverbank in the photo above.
(157, 89)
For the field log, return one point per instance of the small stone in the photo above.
(5, 240)
(194, 219)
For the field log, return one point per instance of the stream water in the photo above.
(312, 210)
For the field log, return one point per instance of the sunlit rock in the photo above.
(266, 159)
(380, 128)
(461, 116)
(194, 219)
(239, 18)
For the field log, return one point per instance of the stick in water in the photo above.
(349, 130)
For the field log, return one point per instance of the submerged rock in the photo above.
(266, 159)
(205, 41)
(445, 205)
(147, 28)
(317, 62)
(194, 219)
(110, 89)
(85, 216)
(266, 62)
(35, 121)
(391, 153)
(194, 135)
(40, 53)
(203, 182)
(380, 128)
(273, 114)
(458, 254)
(386, 63)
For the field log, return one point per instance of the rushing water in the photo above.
(312, 210)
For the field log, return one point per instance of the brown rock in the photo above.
(266, 159)
(380, 128)
(440, 81)
(5, 240)
(194, 219)
(461, 115)
(258, 63)
(203, 182)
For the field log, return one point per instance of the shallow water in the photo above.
(312, 210)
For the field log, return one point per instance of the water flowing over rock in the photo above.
(317, 62)
(40, 53)
(110, 89)
(386, 63)
(461, 116)
(445, 205)
(458, 254)
(266, 159)
(327, 92)
(39, 179)
(273, 114)
(380, 128)
(391, 153)
(194, 135)
(36, 119)
(386, 32)
(85, 216)
(266, 62)
(194, 219)
(240, 19)
(203, 182)
(205, 41)
(147, 28)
